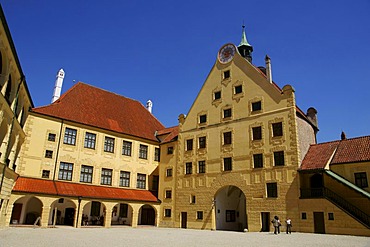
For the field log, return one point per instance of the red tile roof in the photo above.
(50, 187)
(341, 151)
(168, 134)
(96, 107)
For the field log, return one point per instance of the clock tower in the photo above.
(244, 48)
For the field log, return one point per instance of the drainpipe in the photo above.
(57, 154)
(78, 210)
(10, 134)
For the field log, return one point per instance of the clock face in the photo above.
(226, 53)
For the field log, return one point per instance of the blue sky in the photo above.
(164, 50)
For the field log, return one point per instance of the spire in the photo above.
(58, 85)
(244, 40)
(244, 48)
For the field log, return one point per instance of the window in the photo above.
(157, 154)
(169, 172)
(330, 216)
(279, 158)
(45, 173)
(227, 113)
(109, 144)
(90, 139)
(277, 129)
(192, 199)
(51, 137)
(168, 194)
(202, 142)
(227, 164)
(188, 168)
(167, 212)
(70, 136)
(189, 144)
(203, 118)
(86, 174)
(123, 210)
(256, 106)
(361, 179)
(257, 133)
(230, 216)
(257, 160)
(202, 166)
(217, 95)
(65, 171)
(226, 74)
(126, 148)
(141, 181)
(227, 138)
(238, 89)
(271, 190)
(124, 179)
(304, 216)
(48, 154)
(170, 150)
(199, 215)
(106, 176)
(143, 152)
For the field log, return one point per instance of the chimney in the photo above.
(58, 85)
(149, 105)
(312, 116)
(343, 136)
(268, 68)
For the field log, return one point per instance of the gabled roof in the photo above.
(99, 108)
(337, 152)
(50, 187)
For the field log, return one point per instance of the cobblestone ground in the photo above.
(151, 236)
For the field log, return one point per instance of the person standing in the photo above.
(288, 226)
(276, 223)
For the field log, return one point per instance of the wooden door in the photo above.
(184, 219)
(319, 222)
(16, 214)
(265, 220)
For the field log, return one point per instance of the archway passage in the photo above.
(93, 213)
(147, 215)
(64, 211)
(122, 214)
(230, 209)
(26, 210)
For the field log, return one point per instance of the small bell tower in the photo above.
(244, 48)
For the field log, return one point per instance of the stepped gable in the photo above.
(337, 152)
(99, 108)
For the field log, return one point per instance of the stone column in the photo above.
(77, 222)
(213, 212)
(108, 217)
(8, 214)
(135, 217)
(45, 216)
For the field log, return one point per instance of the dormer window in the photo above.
(217, 95)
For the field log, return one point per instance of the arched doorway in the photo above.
(147, 215)
(230, 209)
(94, 213)
(63, 210)
(122, 214)
(26, 210)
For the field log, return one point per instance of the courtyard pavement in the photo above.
(152, 236)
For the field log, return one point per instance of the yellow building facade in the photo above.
(15, 101)
(244, 153)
